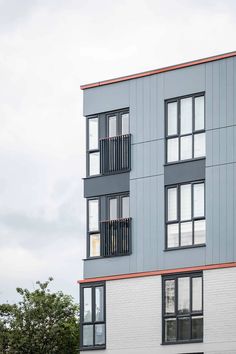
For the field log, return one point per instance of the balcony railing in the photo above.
(115, 154)
(116, 237)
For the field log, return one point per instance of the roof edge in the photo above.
(158, 71)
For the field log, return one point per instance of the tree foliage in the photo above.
(41, 323)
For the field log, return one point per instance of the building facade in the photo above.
(160, 271)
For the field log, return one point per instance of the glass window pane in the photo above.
(99, 303)
(94, 245)
(172, 118)
(184, 328)
(172, 150)
(170, 330)
(125, 207)
(186, 147)
(87, 305)
(113, 209)
(185, 201)
(199, 145)
(186, 115)
(87, 335)
(93, 133)
(169, 296)
(198, 202)
(199, 113)
(93, 215)
(99, 334)
(199, 231)
(173, 235)
(197, 327)
(186, 233)
(125, 123)
(197, 294)
(183, 295)
(112, 126)
(94, 163)
(172, 204)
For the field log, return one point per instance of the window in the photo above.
(185, 128)
(93, 146)
(182, 308)
(112, 235)
(118, 207)
(185, 215)
(93, 316)
(118, 123)
(94, 242)
(108, 143)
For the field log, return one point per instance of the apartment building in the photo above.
(160, 271)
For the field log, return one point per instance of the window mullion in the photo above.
(193, 124)
(178, 124)
(176, 308)
(178, 212)
(191, 303)
(192, 212)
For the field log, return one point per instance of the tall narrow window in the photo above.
(185, 128)
(93, 316)
(112, 126)
(94, 241)
(113, 208)
(183, 308)
(93, 146)
(125, 123)
(93, 133)
(185, 215)
(125, 207)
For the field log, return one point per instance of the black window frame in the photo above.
(118, 114)
(91, 151)
(93, 286)
(89, 233)
(178, 134)
(118, 197)
(176, 316)
(178, 220)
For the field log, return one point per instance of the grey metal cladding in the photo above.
(185, 171)
(145, 97)
(100, 185)
(106, 98)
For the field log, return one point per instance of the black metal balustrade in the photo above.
(115, 154)
(116, 237)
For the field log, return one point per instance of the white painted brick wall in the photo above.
(134, 322)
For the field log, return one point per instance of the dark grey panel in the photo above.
(106, 266)
(184, 171)
(95, 186)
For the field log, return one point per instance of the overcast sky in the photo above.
(48, 48)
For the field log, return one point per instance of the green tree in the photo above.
(41, 323)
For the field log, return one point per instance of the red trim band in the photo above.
(159, 272)
(158, 71)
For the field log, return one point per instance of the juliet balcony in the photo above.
(116, 237)
(115, 154)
